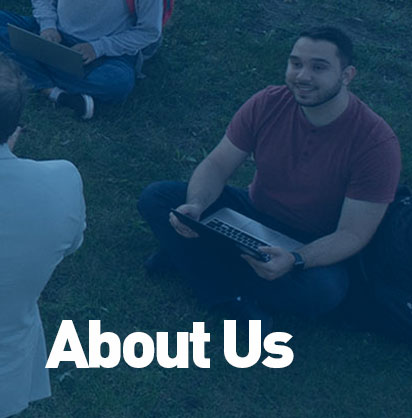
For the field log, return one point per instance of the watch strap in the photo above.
(299, 263)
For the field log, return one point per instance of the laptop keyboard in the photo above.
(238, 236)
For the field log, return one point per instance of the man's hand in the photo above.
(281, 262)
(87, 52)
(52, 35)
(192, 210)
(14, 137)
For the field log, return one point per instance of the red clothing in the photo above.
(303, 172)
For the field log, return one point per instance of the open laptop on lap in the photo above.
(51, 53)
(233, 231)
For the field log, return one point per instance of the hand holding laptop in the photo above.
(231, 231)
(281, 262)
(51, 35)
(87, 51)
(191, 210)
(47, 48)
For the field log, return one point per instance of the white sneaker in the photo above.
(82, 104)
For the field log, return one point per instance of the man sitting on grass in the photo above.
(42, 218)
(105, 31)
(327, 167)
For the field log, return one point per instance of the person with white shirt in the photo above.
(42, 219)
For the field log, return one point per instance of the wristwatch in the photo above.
(299, 263)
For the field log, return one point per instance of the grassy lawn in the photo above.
(214, 56)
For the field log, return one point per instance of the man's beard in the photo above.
(318, 99)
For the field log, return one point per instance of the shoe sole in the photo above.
(89, 105)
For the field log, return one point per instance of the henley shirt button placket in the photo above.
(309, 142)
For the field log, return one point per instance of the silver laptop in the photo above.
(47, 52)
(231, 229)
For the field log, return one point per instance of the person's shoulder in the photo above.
(369, 121)
(63, 166)
(272, 99)
(274, 93)
(64, 169)
(373, 137)
(57, 172)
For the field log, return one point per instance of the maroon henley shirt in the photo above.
(303, 172)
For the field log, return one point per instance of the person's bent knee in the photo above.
(148, 198)
(157, 196)
(4, 18)
(120, 91)
(16, 19)
(111, 84)
(331, 297)
(329, 286)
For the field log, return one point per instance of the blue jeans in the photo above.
(112, 80)
(217, 278)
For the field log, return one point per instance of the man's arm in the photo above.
(147, 30)
(357, 224)
(207, 182)
(44, 11)
(79, 214)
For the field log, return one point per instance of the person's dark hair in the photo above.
(335, 36)
(13, 93)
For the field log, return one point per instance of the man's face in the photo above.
(314, 74)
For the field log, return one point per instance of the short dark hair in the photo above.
(337, 37)
(13, 93)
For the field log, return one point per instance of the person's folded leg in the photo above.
(218, 278)
(208, 271)
(36, 73)
(310, 293)
(110, 81)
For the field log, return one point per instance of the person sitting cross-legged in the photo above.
(327, 168)
(113, 42)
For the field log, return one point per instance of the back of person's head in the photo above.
(13, 92)
(337, 37)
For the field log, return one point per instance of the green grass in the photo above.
(214, 56)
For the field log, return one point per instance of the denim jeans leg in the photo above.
(37, 73)
(111, 81)
(311, 293)
(209, 272)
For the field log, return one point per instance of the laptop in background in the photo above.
(47, 52)
(233, 231)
